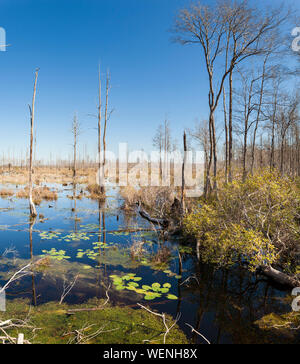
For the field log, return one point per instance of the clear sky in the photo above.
(152, 78)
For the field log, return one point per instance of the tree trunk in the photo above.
(226, 136)
(75, 131)
(280, 277)
(183, 175)
(105, 126)
(32, 208)
(230, 129)
(99, 127)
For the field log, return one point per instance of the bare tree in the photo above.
(75, 132)
(33, 212)
(183, 175)
(247, 97)
(288, 117)
(99, 120)
(158, 143)
(163, 142)
(259, 109)
(106, 116)
(232, 27)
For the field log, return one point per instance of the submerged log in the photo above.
(144, 214)
(280, 277)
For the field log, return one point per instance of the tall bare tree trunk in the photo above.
(245, 147)
(75, 131)
(215, 184)
(230, 130)
(226, 136)
(33, 212)
(207, 186)
(105, 123)
(99, 126)
(183, 175)
(272, 155)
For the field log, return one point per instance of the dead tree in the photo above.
(75, 132)
(99, 122)
(157, 142)
(106, 118)
(163, 142)
(33, 212)
(183, 175)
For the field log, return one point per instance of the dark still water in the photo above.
(104, 247)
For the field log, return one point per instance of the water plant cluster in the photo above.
(73, 236)
(92, 253)
(56, 254)
(129, 282)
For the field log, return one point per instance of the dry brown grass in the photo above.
(162, 256)
(130, 195)
(19, 176)
(6, 192)
(39, 194)
(95, 192)
(156, 199)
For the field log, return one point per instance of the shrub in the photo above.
(256, 221)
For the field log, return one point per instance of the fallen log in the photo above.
(280, 277)
(144, 214)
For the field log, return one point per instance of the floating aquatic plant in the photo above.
(119, 233)
(102, 245)
(76, 236)
(49, 235)
(91, 254)
(56, 254)
(129, 282)
(89, 227)
(171, 274)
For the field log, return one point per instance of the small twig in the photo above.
(67, 289)
(163, 316)
(81, 338)
(198, 333)
(189, 278)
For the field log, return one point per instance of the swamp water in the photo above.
(104, 246)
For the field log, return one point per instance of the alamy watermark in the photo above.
(154, 169)
(2, 40)
(296, 301)
(2, 300)
(296, 42)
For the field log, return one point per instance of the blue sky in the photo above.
(152, 78)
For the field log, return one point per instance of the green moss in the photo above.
(123, 325)
(285, 326)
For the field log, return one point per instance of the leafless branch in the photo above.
(67, 289)
(163, 316)
(198, 333)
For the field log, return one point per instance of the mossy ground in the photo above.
(284, 326)
(122, 325)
